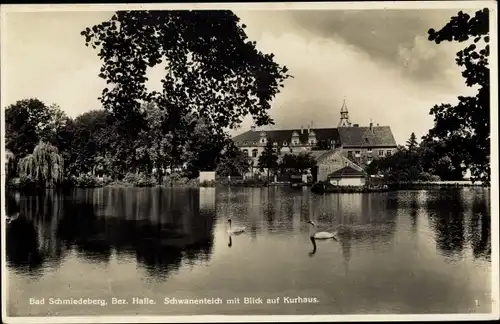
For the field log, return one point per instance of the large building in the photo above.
(334, 148)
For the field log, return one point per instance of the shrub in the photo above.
(176, 179)
(90, 181)
(139, 180)
(435, 178)
(244, 182)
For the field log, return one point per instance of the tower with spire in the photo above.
(344, 116)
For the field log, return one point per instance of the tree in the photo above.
(268, 159)
(293, 164)
(9, 164)
(402, 166)
(212, 71)
(203, 149)
(465, 128)
(24, 124)
(233, 162)
(93, 139)
(437, 159)
(45, 166)
(412, 143)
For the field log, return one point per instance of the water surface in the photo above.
(398, 252)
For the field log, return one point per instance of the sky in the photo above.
(379, 61)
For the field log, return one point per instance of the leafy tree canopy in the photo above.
(24, 124)
(211, 70)
(268, 159)
(466, 126)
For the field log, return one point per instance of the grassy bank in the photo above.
(130, 180)
(326, 187)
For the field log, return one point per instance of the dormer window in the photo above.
(285, 143)
(295, 134)
(262, 140)
(275, 144)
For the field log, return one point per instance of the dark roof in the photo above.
(379, 136)
(347, 172)
(281, 136)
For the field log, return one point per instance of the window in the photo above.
(245, 152)
(295, 142)
(358, 152)
(389, 153)
(285, 143)
(349, 154)
(262, 140)
(369, 150)
(369, 160)
(254, 153)
(381, 153)
(275, 150)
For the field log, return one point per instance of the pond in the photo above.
(404, 252)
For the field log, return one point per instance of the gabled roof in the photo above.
(378, 136)
(347, 172)
(285, 135)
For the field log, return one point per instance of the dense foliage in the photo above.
(464, 129)
(44, 166)
(297, 164)
(425, 161)
(214, 77)
(268, 159)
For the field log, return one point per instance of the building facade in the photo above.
(348, 144)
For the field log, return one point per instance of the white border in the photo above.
(459, 5)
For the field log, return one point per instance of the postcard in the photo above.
(249, 162)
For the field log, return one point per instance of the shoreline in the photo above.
(315, 188)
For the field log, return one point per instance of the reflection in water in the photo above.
(480, 228)
(414, 208)
(449, 220)
(131, 238)
(161, 229)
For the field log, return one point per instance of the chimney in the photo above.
(302, 129)
(252, 128)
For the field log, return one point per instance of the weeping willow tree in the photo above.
(9, 162)
(45, 166)
(9, 158)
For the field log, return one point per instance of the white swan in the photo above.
(319, 235)
(235, 230)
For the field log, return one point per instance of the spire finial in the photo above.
(344, 115)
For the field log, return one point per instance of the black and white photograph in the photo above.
(229, 162)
